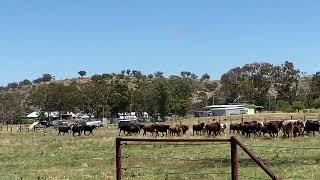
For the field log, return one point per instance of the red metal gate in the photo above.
(234, 154)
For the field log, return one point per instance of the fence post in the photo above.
(118, 158)
(234, 159)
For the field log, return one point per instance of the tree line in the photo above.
(275, 87)
(159, 95)
(278, 87)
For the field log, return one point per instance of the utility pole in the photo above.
(103, 112)
(212, 100)
(2, 114)
(269, 104)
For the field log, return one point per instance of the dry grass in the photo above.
(31, 155)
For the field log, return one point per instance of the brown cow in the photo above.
(213, 128)
(183, 127)
(287, 127)
(298, 129)
(148, 128)
(175, 130)
(235, 127)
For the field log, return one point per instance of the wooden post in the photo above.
(7, 127)
(11, 129)
(234, 159)
(254, 158)
(118, 159)
(242, 120)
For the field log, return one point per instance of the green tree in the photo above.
(316, 103)
(205, 77)
(185, 74)
(315, 85)
(249, 83)
(286, 81)
(55, 97)
(9, 107)
(37, 81)
(128, 72)
(158, 74)
(283, 106)
(106, 76)
(97, 77)
(120, 97)
(122, 74)
(13, 85)
(82, 73)
(181, 92)
(298, 105)
(42, 99)
(138, 75)
(47, 77)
(193, 76)
(25, 82)
(133, 72)
(150, 76)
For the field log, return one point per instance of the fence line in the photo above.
(284, 147)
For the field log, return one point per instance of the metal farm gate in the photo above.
(233, 142)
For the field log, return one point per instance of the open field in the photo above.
(31, 155)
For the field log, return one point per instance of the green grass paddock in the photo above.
(30, 155)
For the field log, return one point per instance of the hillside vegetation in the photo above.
(275, 87)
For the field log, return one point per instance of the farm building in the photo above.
(234, 109)
(202, 114)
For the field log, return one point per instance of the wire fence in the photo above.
(212, 160)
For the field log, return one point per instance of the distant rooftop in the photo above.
(225, 106)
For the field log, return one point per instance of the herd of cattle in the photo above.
(289, 128)
(78, 129)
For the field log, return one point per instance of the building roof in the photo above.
(228, 108)
(233, 106)
(33, 115)
(225, 106)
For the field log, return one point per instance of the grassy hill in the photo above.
(210, 88)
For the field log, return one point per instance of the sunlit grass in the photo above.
(31, 155)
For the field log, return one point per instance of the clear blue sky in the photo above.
(62, 37)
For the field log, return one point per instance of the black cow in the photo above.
(77, 128)
(87, 128)
(279, 124)
(129, 128)
(161, 128)
(273, 128)
(312, 126)
(63, 129)
(252, 127)
(198, 128)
